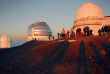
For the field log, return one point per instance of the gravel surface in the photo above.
(57, 57)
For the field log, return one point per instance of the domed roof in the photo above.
(5, 38)
(40, 28)
(89, 9)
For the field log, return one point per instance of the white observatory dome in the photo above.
(5, 41)
(89, 10)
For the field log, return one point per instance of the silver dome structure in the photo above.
(39, 31)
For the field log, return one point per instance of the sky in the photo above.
(17, 15)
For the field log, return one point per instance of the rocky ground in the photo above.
(88, 54)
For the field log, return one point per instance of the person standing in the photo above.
(53, 37)
(49, 38)
(58, 35)
(84, 30)
(63, 32)
(99, 31)
(71, 31)
(109, 28)
(103, 31)
(91, 32)
(105, 28)
(67, 34)
(87, 30)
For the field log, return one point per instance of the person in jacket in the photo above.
(63, 32)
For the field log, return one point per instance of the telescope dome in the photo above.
(89, 10)
(5, 41)
(38, 30)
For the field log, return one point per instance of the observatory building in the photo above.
(5, 41)
(92, 16)
(39, 31)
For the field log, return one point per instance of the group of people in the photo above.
(104, 30)
(86, 31)
(66, 34)
(52, 37)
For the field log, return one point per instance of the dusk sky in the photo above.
(17, 15)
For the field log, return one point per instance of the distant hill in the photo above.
(87, 54)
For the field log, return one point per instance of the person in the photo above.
(71, 31)
(77, 34)
(105, 28)
(87, 30)
(79, 30)
(58, 35)
(71, 34)
(63, 32)
(53, 37)
(84, 30)
(81, 34)
(109, 28)
(103, 31)
(90, 32)
(35, 39)
(99, 31)
(67, 34)
(49, 38)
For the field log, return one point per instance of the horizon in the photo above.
(16, 16)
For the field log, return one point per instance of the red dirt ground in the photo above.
(54, 57)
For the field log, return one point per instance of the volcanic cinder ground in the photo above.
(81, 55)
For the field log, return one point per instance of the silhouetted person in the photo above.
(99, 31)
(79, 30)
(49, 38)
(58, 35)
(91, 32)
(35, 39)
(109, 28)
(53, 37)
(103, 31)
(84, 30)
(87, 30)
(106, 29)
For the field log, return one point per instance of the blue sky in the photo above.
(17, 15)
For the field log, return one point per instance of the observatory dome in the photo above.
(89, 10)
(39, 30)
(5, 41)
